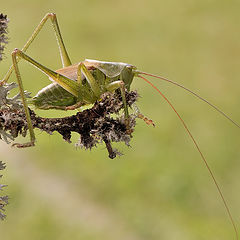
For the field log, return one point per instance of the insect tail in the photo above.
(193, 93)
(200, 152)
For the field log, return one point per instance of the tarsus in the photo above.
(200, 152)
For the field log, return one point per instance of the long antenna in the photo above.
(195, 94)
(200, 152)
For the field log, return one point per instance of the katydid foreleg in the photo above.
(120, 85)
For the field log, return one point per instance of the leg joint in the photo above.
(80, 65)
(121, 83)
(51, 15)
(15, 52)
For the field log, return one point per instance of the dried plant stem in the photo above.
(3, 33)
(3, 42)
(95, 125)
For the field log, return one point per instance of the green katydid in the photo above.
(83, 83)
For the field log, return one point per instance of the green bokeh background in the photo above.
(159, 188)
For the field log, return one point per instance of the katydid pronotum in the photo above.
(75, 85)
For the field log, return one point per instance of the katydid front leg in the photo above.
(82, 69)
(121, 85)
(89, 77)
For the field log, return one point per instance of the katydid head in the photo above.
(124, 71)
(127, 75)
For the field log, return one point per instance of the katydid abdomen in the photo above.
(53, 96)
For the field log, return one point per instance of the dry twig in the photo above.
(95, 125)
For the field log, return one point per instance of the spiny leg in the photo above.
(121, 85)
(25, 106)
(141, 116)
(68, 84)
(63, 52)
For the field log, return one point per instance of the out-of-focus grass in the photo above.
(159, 189)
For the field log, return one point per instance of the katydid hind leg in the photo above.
(25, 105)
(62, 49)
(68, 84)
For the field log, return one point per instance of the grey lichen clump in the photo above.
(13, 103)
(3, 33)
(3, 199)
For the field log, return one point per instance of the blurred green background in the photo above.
(159, 188)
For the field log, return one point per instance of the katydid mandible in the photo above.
(83, 83)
